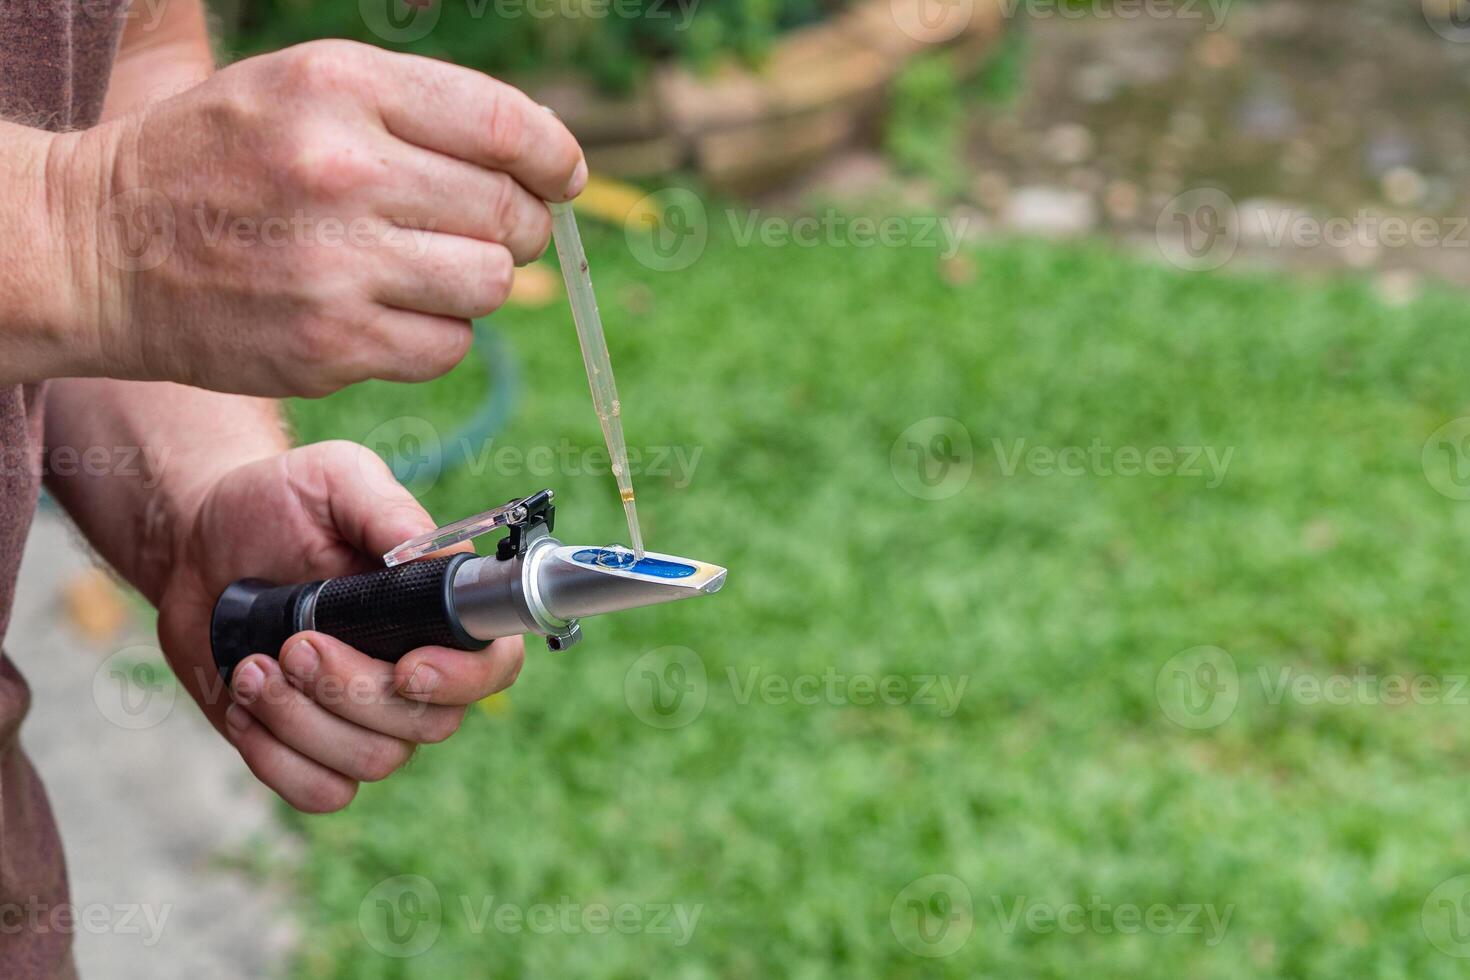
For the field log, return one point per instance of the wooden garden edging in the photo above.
(743, 128)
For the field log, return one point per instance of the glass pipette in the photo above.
(594, 355)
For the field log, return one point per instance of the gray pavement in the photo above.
(157, 813)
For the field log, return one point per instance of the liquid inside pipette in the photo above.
(605, 401)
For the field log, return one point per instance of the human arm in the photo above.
(294, 223)
(187, 490)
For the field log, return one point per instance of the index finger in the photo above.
(469, 115)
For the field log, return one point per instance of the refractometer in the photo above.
(532, 584)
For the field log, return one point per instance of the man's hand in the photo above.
(303, 220)
(324, 717)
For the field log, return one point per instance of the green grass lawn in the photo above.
(793, 829)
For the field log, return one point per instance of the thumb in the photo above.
(371, 510)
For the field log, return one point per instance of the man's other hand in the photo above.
(317, 717)
(304, 220)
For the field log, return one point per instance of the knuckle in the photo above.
(422, 355)
(330, 170)
(497, 273)
(538, 233)
(566, 155)
(439, 357)
(505, 129)
(317, 386)
(379, 758)
(325, 65)
(446, 355)
(321, 795)
(319, 342)
(503, 206)
(436, 726)
(511, 670)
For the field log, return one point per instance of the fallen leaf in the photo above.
(94, 605)
(535, 285)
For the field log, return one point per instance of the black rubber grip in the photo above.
(384, 614)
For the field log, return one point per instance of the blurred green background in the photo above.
(1113, 739)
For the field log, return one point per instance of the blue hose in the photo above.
(492, 415)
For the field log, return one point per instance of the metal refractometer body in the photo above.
(532, 584)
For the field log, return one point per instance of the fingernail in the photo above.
(248, 683)
(423, 680)
(237, 719)
(579, 181)
(302, 661)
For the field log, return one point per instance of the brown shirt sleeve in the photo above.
(55, 59)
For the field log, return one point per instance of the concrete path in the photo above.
(152, 803)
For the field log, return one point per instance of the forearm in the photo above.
(129, 461)
(49, 251)
(159, 57)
